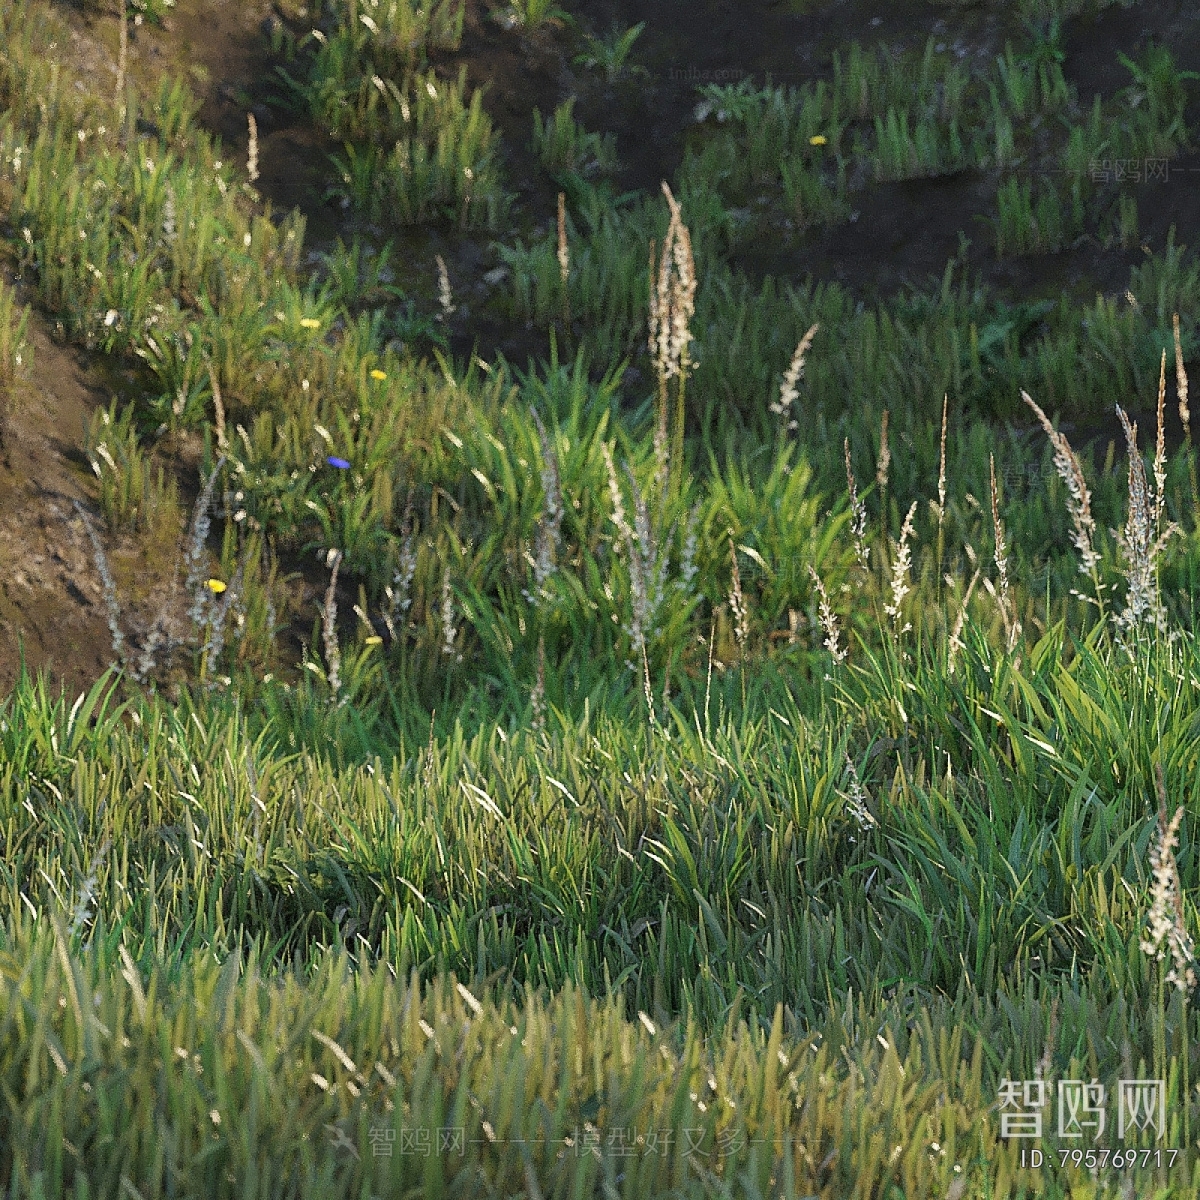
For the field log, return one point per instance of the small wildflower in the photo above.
(378, 374)
(819, 140)
(340, 463)
(215, 585)
(309, 323)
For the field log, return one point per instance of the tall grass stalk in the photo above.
(564, 262)
(15, 355)
(1079, 504)
(941, 501)
(858, 514)
(1185, 417)
(110, 588)
(333, 658)
(788, 393)
(672, 305)
(1141, 545)
(1012, 625)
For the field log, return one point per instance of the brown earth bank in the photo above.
(51, 596)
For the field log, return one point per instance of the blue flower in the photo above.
(340, 463)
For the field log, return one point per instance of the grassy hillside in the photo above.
(760, 733)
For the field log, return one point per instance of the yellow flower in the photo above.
(378, 374)
(374, 640)
(216, 585)
(819, 140)
(309, 323)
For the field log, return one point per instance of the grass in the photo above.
(16, 357)
(562, 144)
(653, 783)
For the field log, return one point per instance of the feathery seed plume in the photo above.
(900, 570)
(252, 153)
(787, 390)
(1165, 920)
(858, 513)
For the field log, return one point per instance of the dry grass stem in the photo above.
(219, 406)
(858, 513)
(252, 151)
(564, 258)
(956, 642)
(787, 389)
(856, 798)
(445, 295)
(885, 454)
(1012, 626)
(942, 465)
(550, 520)
(1185, 415)
(900, 570)
(1160, 448)
(537, 698)
(195, 552)
(1165, 920)
(110, 587)
(653, 719)
(449, 633)
(1140, 544)
(333, 657)
(672, 306)
(1079, 498)
(737, 601)
(397, 593)
(828, 618)
(122, 60)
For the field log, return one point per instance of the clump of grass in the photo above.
(421, 149)
(562, 144)
(610, 53)
(1023, 227)
(131, 498)
(925, 151)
